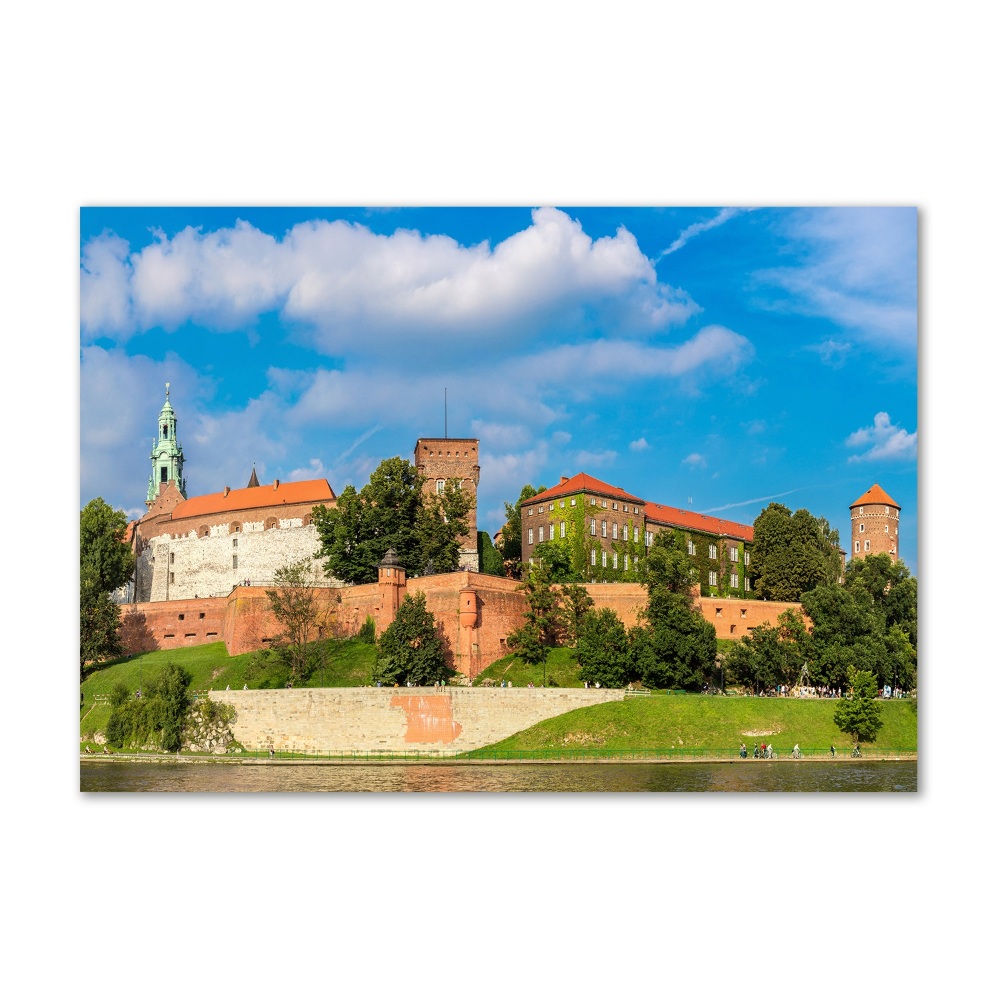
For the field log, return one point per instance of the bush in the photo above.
(367, 631)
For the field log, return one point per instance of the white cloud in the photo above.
(641, 445)
(348, 286)
(560, 438)
(883, 441)
(695, 461)
(858, 267)
(595, 459)
(697, 228)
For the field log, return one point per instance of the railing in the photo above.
(546, 756)
(637, 693)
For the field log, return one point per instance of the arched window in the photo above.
(234, 527)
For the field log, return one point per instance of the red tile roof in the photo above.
(698, 522)
(875, 495)
(273, 495)
(582, 483)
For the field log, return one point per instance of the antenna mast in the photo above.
(446, 414)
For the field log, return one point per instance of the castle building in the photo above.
(875, 524)
(204, 546)
(608, 531)
(441, 459)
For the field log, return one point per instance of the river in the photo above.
(736, 776)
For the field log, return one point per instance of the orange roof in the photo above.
(272, 495)
(583, 483)
(875, 495)
(698, 522)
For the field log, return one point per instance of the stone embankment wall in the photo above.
(398, 720)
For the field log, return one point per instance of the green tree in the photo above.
(106, 563)
(543, 620)
(858, 713)
(602, 649)
(300, 613)
(558, 557)
(411, 649)
(510, 534)
(490, 561)
(575, 602)
(391, 511)
(792, 553)
(888, 587)
(157, 718)
(678, 648)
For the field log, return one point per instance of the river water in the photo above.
(736, 776)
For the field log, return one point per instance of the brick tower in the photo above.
(875, 524)
(441, 459)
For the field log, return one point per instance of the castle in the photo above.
(194, 547)
(203, 563)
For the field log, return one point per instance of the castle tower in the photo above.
(441, 459)
(875, 525)
(391, 588)
(167, 456)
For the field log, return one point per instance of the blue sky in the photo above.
(709, 358)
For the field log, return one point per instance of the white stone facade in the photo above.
(171, 568)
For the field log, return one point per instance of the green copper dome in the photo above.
(167, 456)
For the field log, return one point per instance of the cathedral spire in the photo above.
(167, 456)
(253, 478)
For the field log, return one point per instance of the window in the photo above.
(593, 526)
(635, 534)
(562, 503)
(593, 557)
(171, 577)
(572, 502)
(171, 558)
(734, 580)
(604, 557)
(604, 529)
(614, 560)
(861, 527)
(562, 529)
(163, 473)
(614, 506)
(236, 562)
(743, 612)
(614, 530)
(713, 580)
(626, 562)
(236, 542)
(593, 501)
(440, 486)
(604, 503)
(649, 539)
(887, 529)
(713, 552)
(552, 506)
(734, 553)
(531, 536)
(201, 614)
(690, 547)
(746, 558)
(180, 618)
(868, 545)
(531, 510)
(857, 546)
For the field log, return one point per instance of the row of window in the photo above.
(591, 500)
(861, 529)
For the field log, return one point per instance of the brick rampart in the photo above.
(475, 614)
(398, 720)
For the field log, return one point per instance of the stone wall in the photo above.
(398, 720)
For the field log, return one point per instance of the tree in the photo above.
(510, 534)
(391, 511)
(542, 621)
(792, 553)
(677, 647)
(300, 613)
(490, 561)
(576, 602)
(858, 713)
(411, 649)
(888, 587)
(106, 563)
(602, 649)
(558, 557)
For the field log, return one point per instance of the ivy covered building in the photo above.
(607, 532)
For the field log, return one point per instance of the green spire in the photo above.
(167, 456)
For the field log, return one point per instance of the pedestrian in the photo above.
(833, 751)
(245, 688)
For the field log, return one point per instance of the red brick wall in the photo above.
(244, 619)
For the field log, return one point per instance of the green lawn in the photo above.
(692, 722)
(560, 670)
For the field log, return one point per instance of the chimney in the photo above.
(276, 484)
(225, 492)
(563, 479)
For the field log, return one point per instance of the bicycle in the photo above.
(856, 752)
(796, 754)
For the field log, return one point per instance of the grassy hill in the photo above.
(698, 722)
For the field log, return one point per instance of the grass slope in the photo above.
(692, 722)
